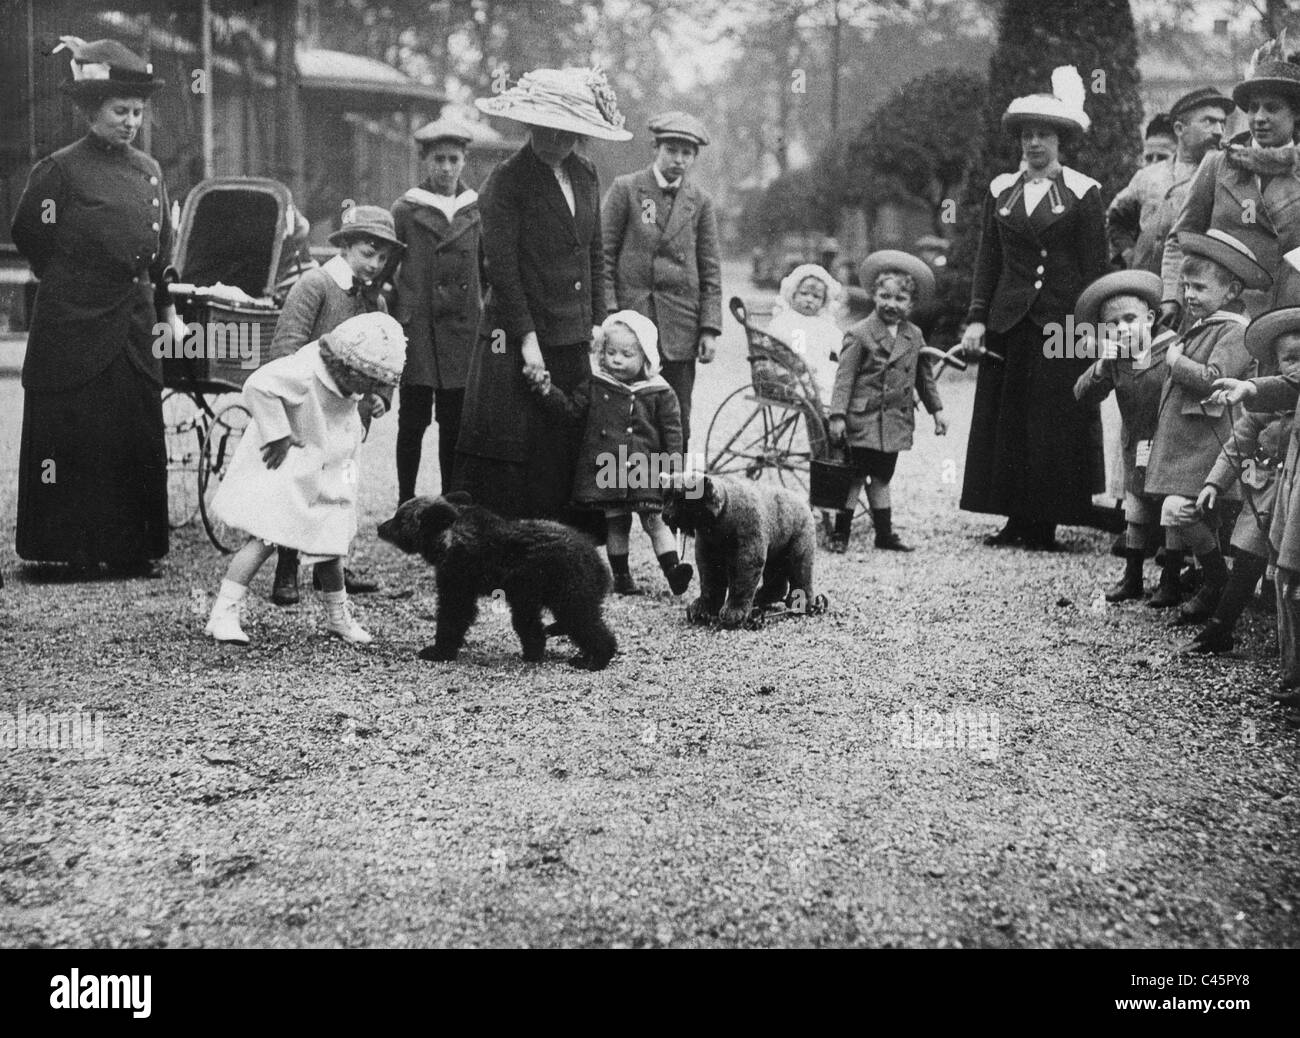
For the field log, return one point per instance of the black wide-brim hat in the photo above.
(1144, 284)
(1267, 328)
(105, 68)
(1269, 77)
(1228, 252)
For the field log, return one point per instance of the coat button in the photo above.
(1038, 284)
(1039, 270)
(1043, 254)
(154, 226)
(153, 180)
(629, 428)
(577, 286)
(155, 201)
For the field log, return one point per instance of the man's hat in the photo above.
(372, 221)
(444, 130)
(105, 68)
(1202, 97)
(905, 263)
(1141, 283)
(679, 126)
(1270, 71)
(578, 100)
(1228, 252)
(1267, 328)
(1062, 109)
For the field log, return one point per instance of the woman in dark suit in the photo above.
(546, 280)
(1031, 454)
(94, 224)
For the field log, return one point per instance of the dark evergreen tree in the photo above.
(1035, 36)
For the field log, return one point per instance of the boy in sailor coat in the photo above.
(437, 298)
(661, 252)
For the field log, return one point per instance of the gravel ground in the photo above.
(970, 750)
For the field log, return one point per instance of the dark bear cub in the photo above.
(535, 564)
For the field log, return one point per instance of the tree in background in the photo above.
(1034, 37)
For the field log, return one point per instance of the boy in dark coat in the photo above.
(1120, 309)
(632, 436)
(1279, 392)
(873, 403)
(437, 298)
(1190, 430)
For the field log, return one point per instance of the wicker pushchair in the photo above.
(232, 230)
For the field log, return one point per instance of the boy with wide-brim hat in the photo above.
(872, 410)
(438, 297)
(1279, 392)
(1216, 268)
(345, 286)
(1252, 456)
(1118, 311)
(660, 234)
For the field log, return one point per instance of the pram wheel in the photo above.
(219, 445)
(759, 438)
(183, 437)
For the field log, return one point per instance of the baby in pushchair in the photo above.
(805, 320)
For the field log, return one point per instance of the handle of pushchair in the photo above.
(738, 311)
(945, 359)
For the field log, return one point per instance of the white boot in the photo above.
(339, 620)
(223, 621)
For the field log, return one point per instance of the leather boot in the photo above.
(1202, 605)
(1169, 590)
(882, 518)
(843, 531)
(284, 591)
(1129, 586)
(1215, 637)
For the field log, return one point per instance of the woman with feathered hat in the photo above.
(93, 223)
(1030, 455)
(1250, 190)
(546, 280)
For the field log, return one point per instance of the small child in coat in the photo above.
(1120, 309)
(880, 369)
(1272, 394)
(633, 436)
(320, 300)
(805, 321)
(1191, 429)
(293, 479)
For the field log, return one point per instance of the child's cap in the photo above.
(371, 344)
(1267, 328)
(646, 334)
(889, 260)
(1228, 252)
(372, 221)
(1141, 283)
(791, 282)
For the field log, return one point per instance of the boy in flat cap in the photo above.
(661, 252)
(437, 298)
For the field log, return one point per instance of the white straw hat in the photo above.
(579, 100)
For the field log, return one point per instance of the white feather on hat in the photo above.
(1063, 107)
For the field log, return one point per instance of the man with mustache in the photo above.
(1142, 214)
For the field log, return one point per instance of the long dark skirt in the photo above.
(92, 472)
(1032, 452)
(542, 486)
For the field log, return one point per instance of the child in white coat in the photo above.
(293, 480)
(805, 318)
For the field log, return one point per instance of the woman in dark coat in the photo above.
(1031, 455)
(94, 224)
(546, 280)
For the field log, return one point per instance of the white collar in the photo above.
(663, 181)
(448, 205)
(338, 269)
